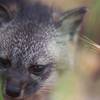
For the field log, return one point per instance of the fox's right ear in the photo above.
(69, 22)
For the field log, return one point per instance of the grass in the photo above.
(65, 88)
(1, 97)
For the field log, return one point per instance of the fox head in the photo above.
(32, 38)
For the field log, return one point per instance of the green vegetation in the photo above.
(1, 98)
(65, 88)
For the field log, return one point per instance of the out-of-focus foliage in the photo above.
(1, 98)
(93, 22)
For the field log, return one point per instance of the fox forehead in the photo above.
(30, 47)
(31, 50)
(29, 35)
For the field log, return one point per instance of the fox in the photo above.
(33, 39)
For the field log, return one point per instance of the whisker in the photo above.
(94, 45)
(88, 39)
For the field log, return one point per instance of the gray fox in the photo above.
(33, 37)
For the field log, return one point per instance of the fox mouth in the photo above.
(21, 96)
(6, 97)
(14, 97)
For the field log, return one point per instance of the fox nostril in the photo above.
(13, 91)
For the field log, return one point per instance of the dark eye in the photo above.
(36, 69)
(4, 63)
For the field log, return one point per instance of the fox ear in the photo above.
(68, 25)
(4, 15)
(69, 22)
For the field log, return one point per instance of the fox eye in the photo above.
(4, 63)
(36, 69)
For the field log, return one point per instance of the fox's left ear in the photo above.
(69, 22)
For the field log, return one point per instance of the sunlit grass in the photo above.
(1, 97)
(65, 88)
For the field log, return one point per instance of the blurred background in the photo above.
(82, 83)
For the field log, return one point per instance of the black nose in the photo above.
(13, 91)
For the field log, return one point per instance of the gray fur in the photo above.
(33, 37)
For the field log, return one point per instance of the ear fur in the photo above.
(68, 25)
(69, 22)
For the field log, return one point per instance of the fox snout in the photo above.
(16, 83)
(12, 89)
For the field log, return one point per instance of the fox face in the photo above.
(32, 38)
